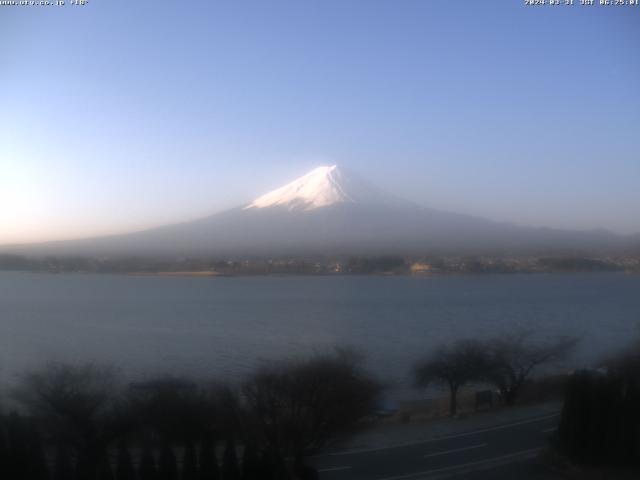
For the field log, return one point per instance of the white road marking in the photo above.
(446, 437)
(456, 450)
(417, 475)
(333, 469)
(548, 430)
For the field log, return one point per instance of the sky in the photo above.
(120, 115)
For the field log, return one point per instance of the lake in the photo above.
(225, 327)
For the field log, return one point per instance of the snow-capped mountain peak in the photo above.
(321, 187)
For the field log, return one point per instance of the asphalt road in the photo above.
(460, 453)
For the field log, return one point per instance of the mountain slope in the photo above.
(330, 211)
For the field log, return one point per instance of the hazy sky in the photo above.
(125, 114)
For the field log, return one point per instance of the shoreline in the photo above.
(173, 274)
(214, 274)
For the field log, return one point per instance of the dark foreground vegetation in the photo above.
(80, 423)
(68, 422)
(600, 423)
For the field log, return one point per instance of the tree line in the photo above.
(86, 423)
(82, 423)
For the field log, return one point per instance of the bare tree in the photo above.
(80, 406)
(454, 366)
(513, 357)
(305, 404)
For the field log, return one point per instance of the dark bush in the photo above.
(147, 469)
(63, 466)
(250, 462)
(189, 462)
(168, 465)
(124, 466)
(209, 469)
(600, 422)
(230, 468)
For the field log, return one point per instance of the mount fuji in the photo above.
(332, 211)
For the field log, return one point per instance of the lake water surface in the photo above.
(224, 327)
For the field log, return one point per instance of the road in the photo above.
(460, 453)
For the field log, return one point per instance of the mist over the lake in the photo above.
(226, 327)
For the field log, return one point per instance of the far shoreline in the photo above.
(213, 274)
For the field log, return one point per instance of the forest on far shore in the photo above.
(320, 265)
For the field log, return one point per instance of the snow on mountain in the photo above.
(322, 187)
